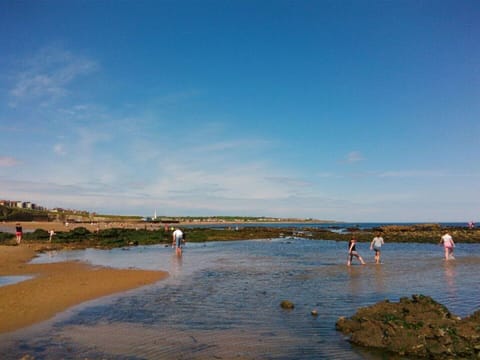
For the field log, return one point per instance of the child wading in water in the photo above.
(448, 244)
(352, 251)
(376, 244)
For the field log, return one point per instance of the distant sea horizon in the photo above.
(327, 225)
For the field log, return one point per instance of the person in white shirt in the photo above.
(448, 245)
(177, 240)
(376, 244)
(50, 234)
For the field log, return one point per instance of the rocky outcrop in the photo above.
(287, 304)
(414, 327)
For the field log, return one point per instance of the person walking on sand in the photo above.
(448, 245)
(177, 240)
(18, 233)
(376, 244)
(352, 251)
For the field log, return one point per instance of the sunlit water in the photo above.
(222, 300)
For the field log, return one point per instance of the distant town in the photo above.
(27, 210)
(21, 205)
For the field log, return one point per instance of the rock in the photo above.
(414, 327)
(286, 304)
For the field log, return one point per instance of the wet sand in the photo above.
(57, 286)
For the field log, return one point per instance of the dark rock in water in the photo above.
(414, 327)
(286, 304)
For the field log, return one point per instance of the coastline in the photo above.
(61, 226)
(58, 286)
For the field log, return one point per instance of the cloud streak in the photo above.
(353, 157)
(7, 161)
(47, 74)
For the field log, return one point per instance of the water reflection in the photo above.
(355, 279)
(379, 277)
(176, 262)
(450, 274)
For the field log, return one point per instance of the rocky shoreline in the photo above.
(119, 235)
(416, 326)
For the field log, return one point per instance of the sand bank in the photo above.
(9, 226)
(57, 286)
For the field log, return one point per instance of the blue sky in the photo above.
(338, 110)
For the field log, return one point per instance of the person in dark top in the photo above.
(18, 233)
(352, 252)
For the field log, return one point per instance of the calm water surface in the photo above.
(222, 300)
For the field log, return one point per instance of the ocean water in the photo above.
(222, 300)
(7, 280)
(342, 226)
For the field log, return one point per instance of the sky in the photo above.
(350, 110)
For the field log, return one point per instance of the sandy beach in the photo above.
(58, 286)
(62, 226)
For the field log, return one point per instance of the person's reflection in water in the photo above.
(379, 277)
(354, 280)
(450, 277)
(175, 265)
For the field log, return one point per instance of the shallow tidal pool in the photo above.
(222, 300)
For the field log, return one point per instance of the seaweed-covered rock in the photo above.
(287, 304)
(417, 327)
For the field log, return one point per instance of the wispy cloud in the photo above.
(353, 157)
(59, 149)
(7, 161)
(235, 144)
(289, 181)
(46, 75)
(327, 174)
(412, 173)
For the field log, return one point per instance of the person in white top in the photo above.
(177, 240)
(448, 245)
(376, 244)
(50, 234)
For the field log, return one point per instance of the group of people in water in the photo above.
(375, 245)
(178, 240)
(446, 240)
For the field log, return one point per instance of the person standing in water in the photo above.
(18, 233)
(376, 244)
(352, 251)
(448, 245)
(177, 240)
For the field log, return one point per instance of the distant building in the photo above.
(20, 204)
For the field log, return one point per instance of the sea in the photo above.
(222, 300)
(342, 226)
